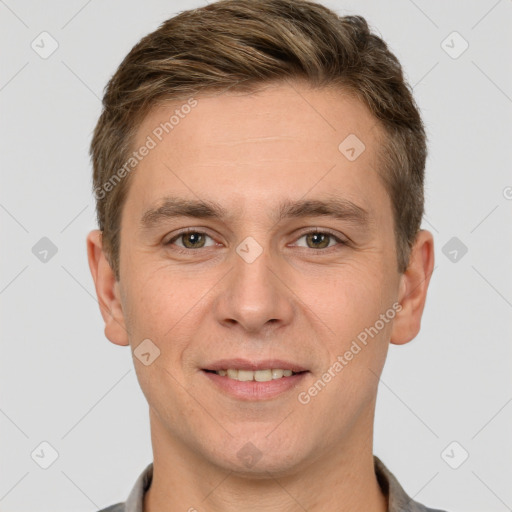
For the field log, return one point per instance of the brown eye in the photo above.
(190, 240)
(318, 240)
(321, 240)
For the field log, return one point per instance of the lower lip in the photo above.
(253, 390)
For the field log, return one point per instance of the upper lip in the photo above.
(246, 364)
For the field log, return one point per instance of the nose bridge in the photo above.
(254, 293)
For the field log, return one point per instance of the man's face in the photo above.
(251, 287)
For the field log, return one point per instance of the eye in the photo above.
(191, 239)
(320, 239)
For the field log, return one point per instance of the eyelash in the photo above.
(185, 250)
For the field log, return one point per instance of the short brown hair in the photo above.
(243, 44)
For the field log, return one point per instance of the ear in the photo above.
(413, 289)
(107, 290)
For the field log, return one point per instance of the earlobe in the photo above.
(413, 289)
(107, 290)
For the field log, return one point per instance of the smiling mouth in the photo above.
(257, 375)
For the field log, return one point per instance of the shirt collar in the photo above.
(135, 501)
(398, 500)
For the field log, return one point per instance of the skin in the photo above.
(249, 152)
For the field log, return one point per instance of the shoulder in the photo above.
(398, 499)
(118, 507)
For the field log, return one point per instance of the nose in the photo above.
(256, 296)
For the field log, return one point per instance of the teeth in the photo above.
(245, 375)
(262, 375)
(258, 375)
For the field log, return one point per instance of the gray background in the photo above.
(63, 382)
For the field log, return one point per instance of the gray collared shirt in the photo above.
(398, 500)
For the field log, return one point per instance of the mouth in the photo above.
(251, 380)
(266, 375)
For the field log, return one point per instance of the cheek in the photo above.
(357, 333)
(166, 393)
(155, 303)
(167, 310)
(350, 297)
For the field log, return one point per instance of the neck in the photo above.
(342, 480)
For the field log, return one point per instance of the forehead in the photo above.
(273, 113)
(285, 139)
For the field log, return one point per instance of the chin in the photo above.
(256, 455)
(259, 469)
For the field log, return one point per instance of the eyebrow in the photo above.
(335, 207)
